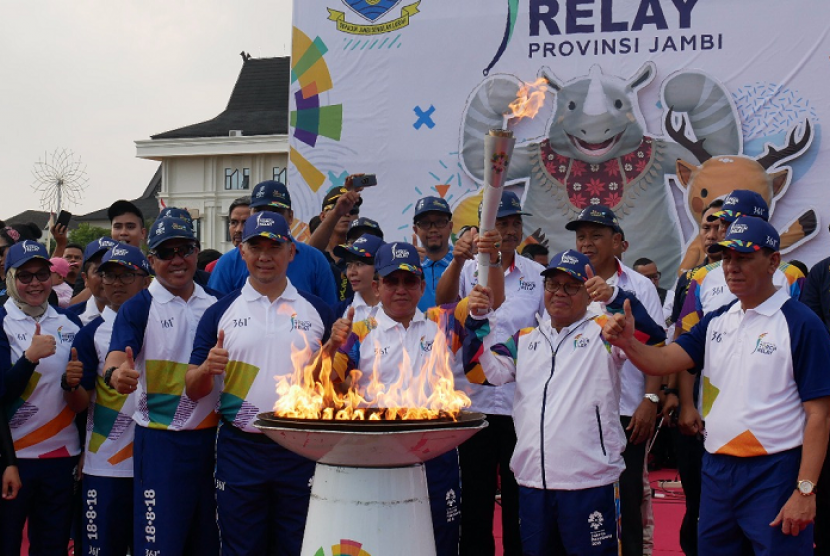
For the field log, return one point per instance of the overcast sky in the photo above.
(93, 76)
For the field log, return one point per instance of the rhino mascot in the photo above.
(598, 151)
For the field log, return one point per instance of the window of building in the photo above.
(236, 180)
(280, 174)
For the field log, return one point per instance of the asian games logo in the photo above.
(766, 348)
(65, 337)
(580, 342)
(524, 285)
(297, 324)
(426, 345)
(346, 546)
(595, 520)
(373, 11)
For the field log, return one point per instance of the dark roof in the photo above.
(39, 217)
(148, 203)
(258, 104)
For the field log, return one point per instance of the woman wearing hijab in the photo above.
(34, 354)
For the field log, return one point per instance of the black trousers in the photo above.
(484, 457)
(631, 496)
(689, 453)
(821, 531)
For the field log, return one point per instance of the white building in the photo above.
(205, 166)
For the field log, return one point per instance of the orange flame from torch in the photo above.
(529, 99)
(427, 392)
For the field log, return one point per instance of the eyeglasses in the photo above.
(655, 276)
(169, 253)
(439, 224)
(41, 276)
(570, 288)
(409, 282)
(125, 278)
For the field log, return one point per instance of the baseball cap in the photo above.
(59, 265)
(266, 224)
(596, 214)
(748, 234)
(331, 198)
(175, 212)
(508, 206)
(363, 225)
(570, 261)
(24, 251)
(123, 207)
(127, 256)
(431, 204)
(168, 228)
(398, 256)
(741, 202)
(270, 193)
(364, 248)
(97, 246)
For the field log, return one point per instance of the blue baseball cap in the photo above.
(168, 228)
(431, 204)
(748, 234)
(570, 261)
(175, 212)
(98, 246)
(270, 193)
(741, 202)
(596, 214)
(24, 251)
(363, 225)
(364, 248)
(266, 224)
(127, 256)
(508, 206)
(398, 256)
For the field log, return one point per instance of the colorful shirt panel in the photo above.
(260, 337)
(524, 298)
(42, 425)
(110, 427)
(759, 366)
(160, 328)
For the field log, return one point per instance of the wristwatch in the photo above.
(652, 398)
(65, 385)
(108, 377)
(806, 488)
(497, 263)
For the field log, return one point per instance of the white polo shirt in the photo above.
(708, 291)
(41, 423)
(524, 298)
(759, 366)
(110, 428)
(260, 337)
(381, 344)
(633, 380)
(160, 327)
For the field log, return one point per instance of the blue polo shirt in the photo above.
(309, 271)
(432, 273)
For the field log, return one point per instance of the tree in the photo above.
(85, 233)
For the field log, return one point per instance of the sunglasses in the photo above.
(570, 288)
(41, 276)
(125, 278)
(439, 224)
(169, 253)
(409, 282)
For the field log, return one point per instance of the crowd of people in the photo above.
(133, 370)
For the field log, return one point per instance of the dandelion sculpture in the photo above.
(60, 178)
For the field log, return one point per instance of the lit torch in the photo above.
(498, 149)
